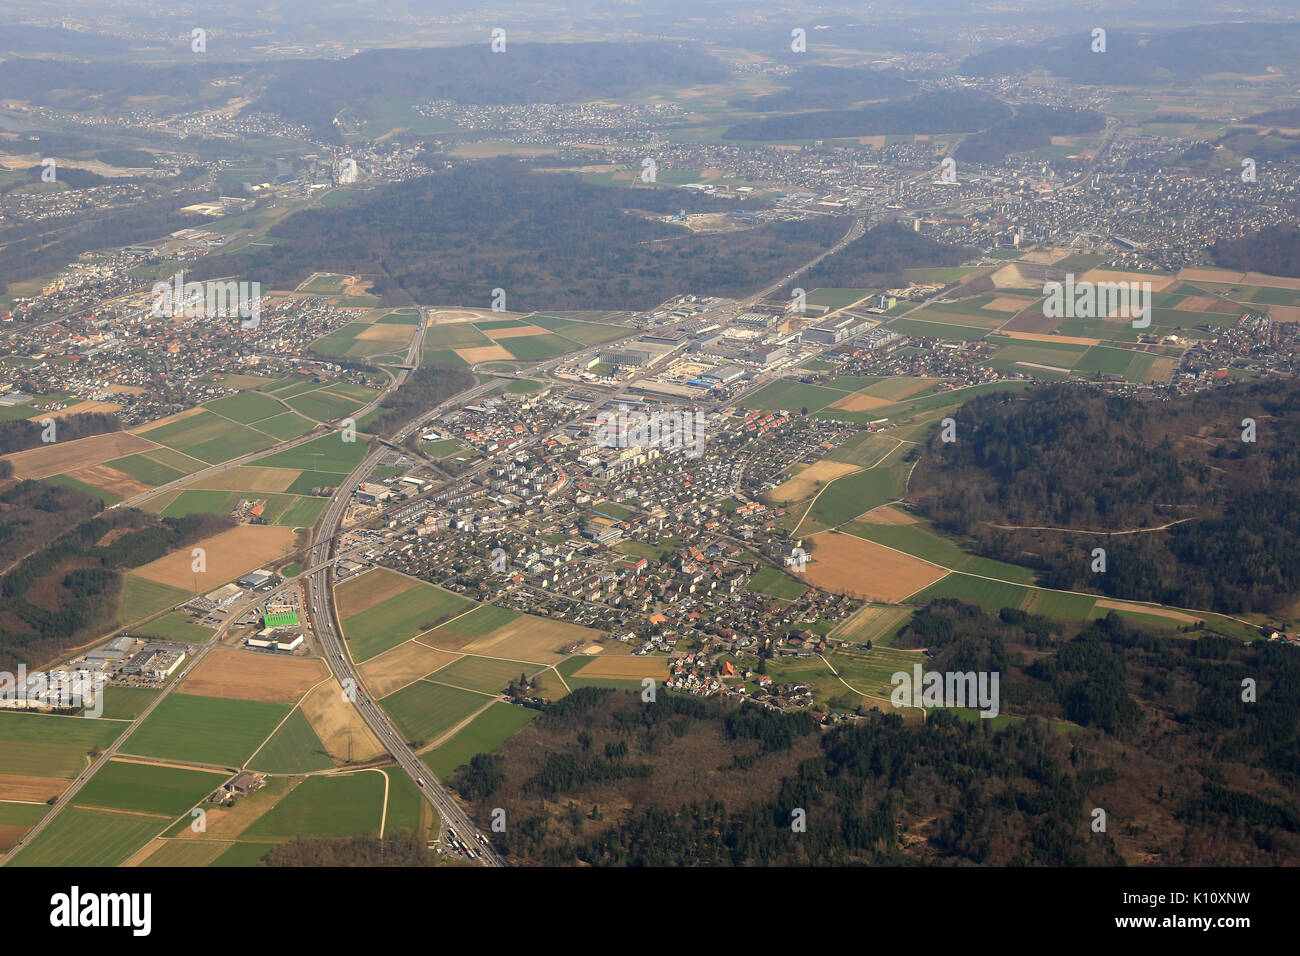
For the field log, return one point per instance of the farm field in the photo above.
(79, 837)
(142, 597)
(126, 703)
(402, 665)
(369, 588)
(336, 805)
(326, 453)
(992, 595)
(850, 496)
(538, 640)
(46, 745)
(850, 565)
(484, 734)
(16, 819)
(397, 619)
(59, 457)
(918, 538)
(229, 554)
(147, 788)
(338, 725)
(485, 675)
(424, 711)
(210, 730)
(871, 622)
(293, 748)
(249, 675)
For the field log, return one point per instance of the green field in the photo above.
(142, 598)
(992, 595)
(537, 346)
(294, 748)
(423, 711)
(211, 730)
(847, 497)
(458, 335)
(286, 426)
(336, 805)
(792, 396)
(484, 620)
(770, 581)
(243, 854)
(483, 674)
(174, 627)
(146, 469)
(400, 618)
(80, 837)
(922, 541)
(126, 703)
(326, 453)
(146, 788)
(485, 733)
(44, 745)
(246, 407)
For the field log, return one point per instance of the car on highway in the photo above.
(420, 781)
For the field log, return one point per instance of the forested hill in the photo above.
(313, 92)
(1147, 58)
(550, 240)
(1072, 458)
(1275, 251)
(600, 778)
(878, 258)
(940, 111)
(822, 87)
(1032, 127)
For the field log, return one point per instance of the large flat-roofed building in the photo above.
(834, 331)
(255, 579)
(271, 639)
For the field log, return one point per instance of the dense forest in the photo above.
(548, 239)
(1060, 457)
(313, 92)
(66, 589)
(399, 848)
(1032, 127)
(1275, 251)
(22, 434)
(601, 778)
(424, 389)
(941, 111)
(823, 87)
(877, 259)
